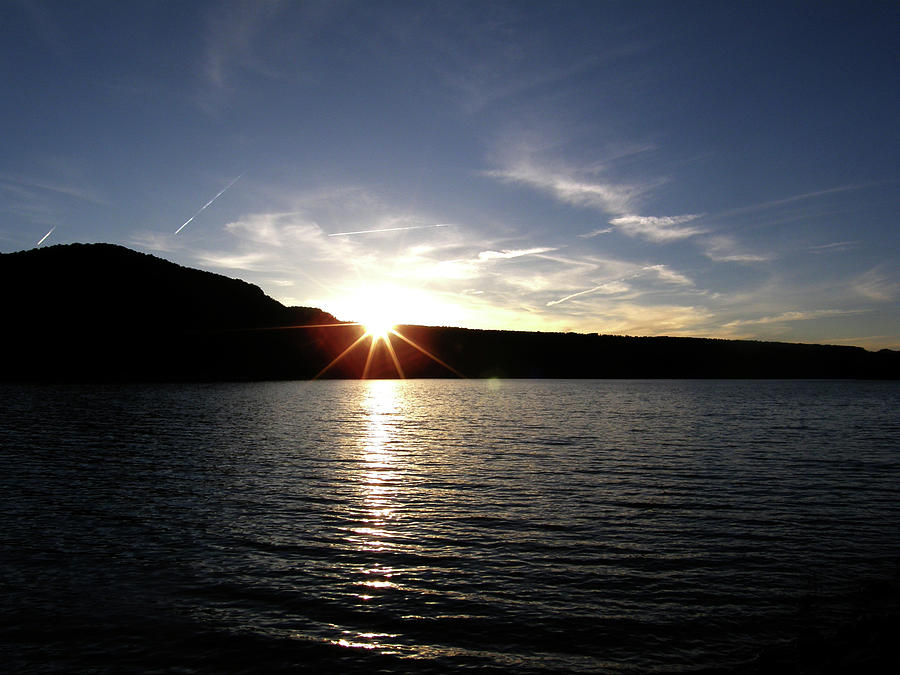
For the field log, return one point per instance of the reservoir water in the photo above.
(439, 526)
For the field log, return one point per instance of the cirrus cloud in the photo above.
(657, 228)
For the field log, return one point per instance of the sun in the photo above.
(383, 312)
(378, 328)
(376, 310)
(383, 334)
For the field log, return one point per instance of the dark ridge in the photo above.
(573, 355)
(109, 286)
(106, 312)
(103, 312)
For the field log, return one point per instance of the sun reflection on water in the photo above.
(380, 480)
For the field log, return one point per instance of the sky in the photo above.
(712, 169)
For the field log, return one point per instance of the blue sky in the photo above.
(715, 169)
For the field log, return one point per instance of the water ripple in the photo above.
(533, 526)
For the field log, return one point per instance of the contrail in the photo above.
(574, 295)
(45, 236)
(389, 229)
(202, 208)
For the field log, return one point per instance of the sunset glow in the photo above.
(590, 167)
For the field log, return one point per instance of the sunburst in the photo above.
(377, 334)
(378, 329)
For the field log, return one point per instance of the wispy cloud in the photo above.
(49, 201)
(534, 161)
(616, 316)
(388, 229)
(498, 61)
(484, 256)
(762, 206)
(250, 262)
(565, 187)
(291, 231)
(806, 315)
(724, 248)
(27, 205)
(67, 190)
(594, 233)
(586, 188)
(835, 247)
(156, 241)
(232, 30)
(257, 40)
(294, 246)
(657, 228)
(642, 276)
(668, 275)
(635, 319)
(876, 285)
(461, 260)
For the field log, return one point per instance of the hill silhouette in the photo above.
(113, 286)
(104, 312)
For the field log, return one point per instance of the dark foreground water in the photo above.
(387, 526)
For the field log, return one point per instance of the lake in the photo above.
(527, 526)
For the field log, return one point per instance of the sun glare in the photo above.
(378, 328)
(389, 303)
(376, 309)
(379, 311)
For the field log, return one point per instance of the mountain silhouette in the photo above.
(101, 312)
